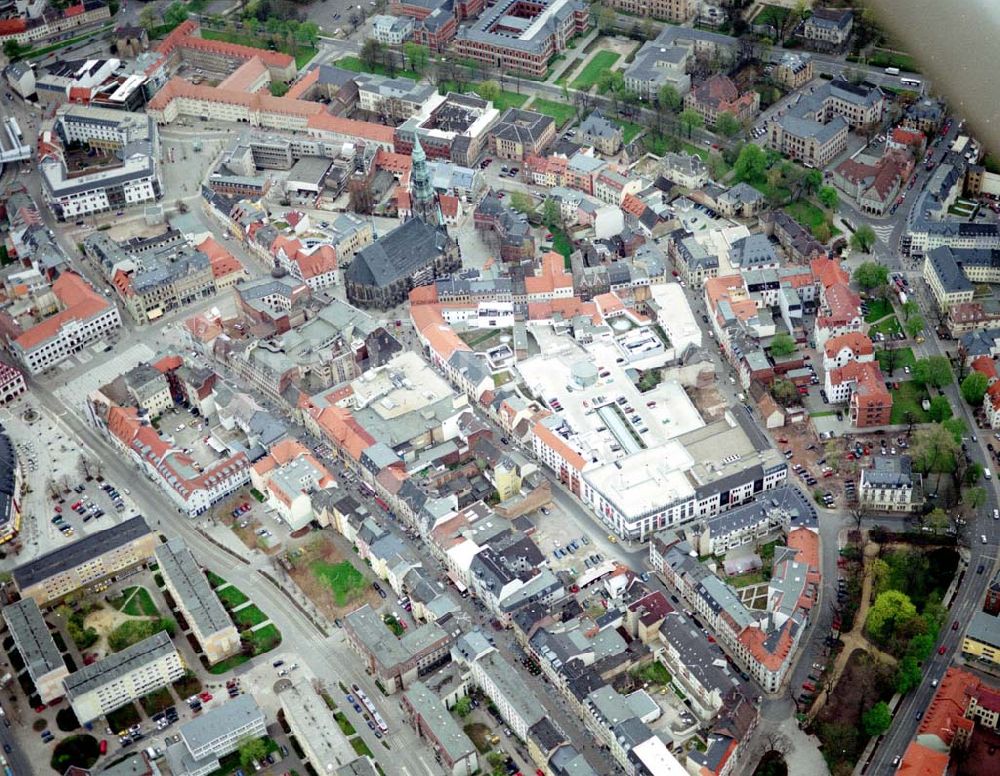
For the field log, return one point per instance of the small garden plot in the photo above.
(137, 602)
(248, 616)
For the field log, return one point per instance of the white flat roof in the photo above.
(647, 480)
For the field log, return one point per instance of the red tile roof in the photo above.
(985, 365)
(860, 344)
(79, 302)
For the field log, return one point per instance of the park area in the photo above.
(562, 112)
(135, 602)
(328, 577)
(865, 682)
(907, 402)
(600, 63)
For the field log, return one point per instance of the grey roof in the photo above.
(693, 253)
(704, 661)
(945, 263)
(513, 688)
(752, 251)
(439, 720)
(220, 721)
(832, 18)
(118, 664)
(363, 766)
(32, 636)
(522, 126)
(646, 67)
(889, 471)
(197, 597)
(72, 555)
(807, 128)
(985, 628)
(595, 125)
(406, 249)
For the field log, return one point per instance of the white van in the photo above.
(987, 473)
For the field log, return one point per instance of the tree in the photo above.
(891, 610)
(863, 239)
(933, 370)
(605, 18)
(751, 164)
(974, 388)
(463, 707)
(279, 88)
(908, 675)
(974, 498)
(877, 719)
(611, 82)
(726, 124)
(914, 325)
(870, 275)
(416, 55)
(669, 98)
(251, 749)
(785, 392)
(522, 202)
(489, 90)
(149, 17)
(691, 120)
(937, 520)
(14, 50)
(371, 52)
(909, 308)
(956, 427)
(828, 197)
(782, 345)
(175, 14)
(551, 213)
(812, 181)
(822, 232)
(940, 409)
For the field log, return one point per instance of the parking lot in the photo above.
(54, 467)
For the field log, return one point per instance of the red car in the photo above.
(942, 649)
(205, 696)
(40, 708)
(103, 746)
(58, 509)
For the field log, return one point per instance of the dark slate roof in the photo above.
(403, 251)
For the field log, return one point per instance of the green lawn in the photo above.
(361, 747)
(772, 14)
(123, 718)
(654, 673)
(562, 112)
(904, 358)
(877, 310)
(302, 53)
(810, 215)
(345, 724)
(780, 193)
(232, 597)
(228, 664)
(134, 631)
(140, 603)
(263, 639)
(599, 63)
(883, 58)
(355, 65)
(345, 581)
(214, 579)
(887, 326)
(631, 130)
(906, 399)
(249, 616)
(504, 101)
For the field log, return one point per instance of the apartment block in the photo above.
(37, 648)
(676, 11)
(201, 607)
(124, 676)
(891, 485)
(86, 563)
(215, 734)
(434, 723)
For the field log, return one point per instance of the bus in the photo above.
(910, 82)
(892, 71)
